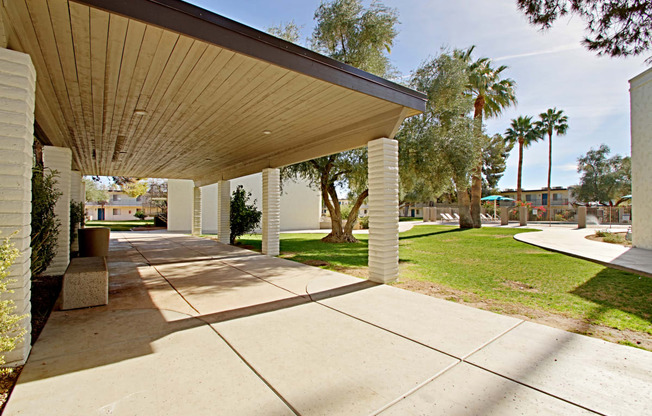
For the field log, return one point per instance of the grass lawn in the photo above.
(120, 225)
(487, 268)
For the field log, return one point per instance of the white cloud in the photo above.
(562, 48)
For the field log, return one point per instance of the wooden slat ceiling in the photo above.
(134, 99)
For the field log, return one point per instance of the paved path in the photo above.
(573, 241)
(195, 327)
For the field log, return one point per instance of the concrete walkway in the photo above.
(571, 240)
(194, 327)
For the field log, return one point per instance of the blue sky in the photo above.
(551, 69)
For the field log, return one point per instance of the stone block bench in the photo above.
(85, 283)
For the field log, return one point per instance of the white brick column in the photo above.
(271, 211)
(76, 186)
(383, 210)
(17, 89)
(196, 210)
(224, 212)
(59, 159)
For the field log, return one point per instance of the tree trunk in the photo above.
(476, 195)
(476, 175)
(338, 233)
(520, 170)
(353, 215)
(549, 171)
(464, 203)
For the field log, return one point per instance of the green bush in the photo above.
(45, 224)
(244, 217)
(10, 331)
(614, 238)
(76, 218)
(140, 215)
(364, 222)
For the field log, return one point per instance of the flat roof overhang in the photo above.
(162, 88)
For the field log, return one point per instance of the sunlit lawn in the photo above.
(488, 264)
(120, 225)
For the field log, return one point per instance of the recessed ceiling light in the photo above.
(140, 112)
(267, 132)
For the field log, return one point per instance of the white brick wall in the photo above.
(60, 159)
(383, 210)
(17, 87)
(224, 211)
(196, 210)
(641, 119)
(271, 223)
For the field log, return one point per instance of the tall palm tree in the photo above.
(523, 132)
(552, 121)
(492, 95)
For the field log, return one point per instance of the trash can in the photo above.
(94, 242)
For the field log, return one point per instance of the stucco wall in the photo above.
(300, 205)
(641, 119)
(180, 205)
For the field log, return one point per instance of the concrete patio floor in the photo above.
(194, 327)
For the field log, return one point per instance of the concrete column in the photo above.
(17, 89)
(271, 211)
(621, 212)
(504, 215)
(581, 217)
(59, 159)
(383, 210)
(224, 211)
(522, 216)
(196, 210)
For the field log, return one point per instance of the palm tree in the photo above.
(552, 121)
(523, 132)
(492, 95)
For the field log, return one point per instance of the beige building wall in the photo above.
(641, 119)
(180, 205)
(300, 205)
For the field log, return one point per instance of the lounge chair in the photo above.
(449, 218)
(443, 217)
(457, 217)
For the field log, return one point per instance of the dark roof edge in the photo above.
(202, 24)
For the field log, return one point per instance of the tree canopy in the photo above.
(95, 192)
(358, 36)
(603, 178)
(614, 27)
(361, 37)
(434, 146)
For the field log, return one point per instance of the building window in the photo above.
(116, 211)
(139, 198)
(116, 197)
(528, 197)
(556, 197)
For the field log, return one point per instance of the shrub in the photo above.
(364, 222)
(614, 238)
(10, 331)
(45, 224)
(140, 215)
(76, 218)
(244, 218)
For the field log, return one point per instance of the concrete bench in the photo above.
(85, 283)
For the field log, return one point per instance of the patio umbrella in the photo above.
(496, 198)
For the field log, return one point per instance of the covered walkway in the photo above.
(198, 327)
